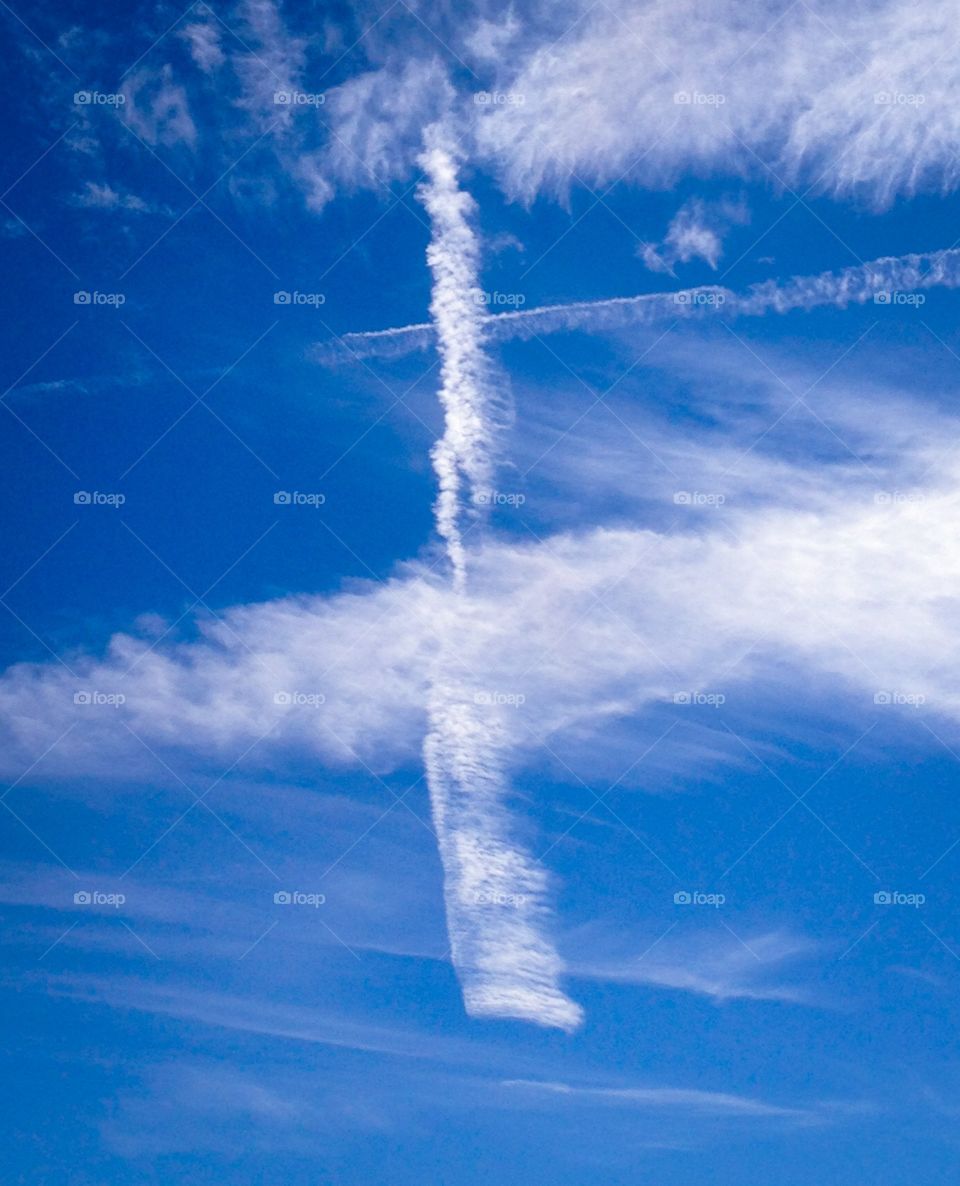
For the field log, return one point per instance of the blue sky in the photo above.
(520, 745)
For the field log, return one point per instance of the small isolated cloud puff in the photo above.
(695, 232)
(96, 196)
(157, 108)
(489, 40)
(203, 40)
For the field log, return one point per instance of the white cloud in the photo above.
(467, 391)
(688, 1099)
(362, 133)
(495, 894)
(157, 108)
(850, 101)
(270, 60)
(695, 232)
(724, 969)
(102, 196)
(703, 594)
(377, 119)
(311, 171)
(203, 38)
(490, 40)
(886, 280)
(855, 595)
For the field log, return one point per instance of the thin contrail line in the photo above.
(889, 280)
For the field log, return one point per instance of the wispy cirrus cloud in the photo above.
(854, 103)
(786, 526)
(557, 637)
(713, 1103)
(96, 195)
(695, 232)
(722, 968)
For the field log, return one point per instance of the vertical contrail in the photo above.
(495, 893)
(464, 450)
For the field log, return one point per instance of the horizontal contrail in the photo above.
(887, 277)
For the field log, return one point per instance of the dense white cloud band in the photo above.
(857, 593)
(853, 100)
